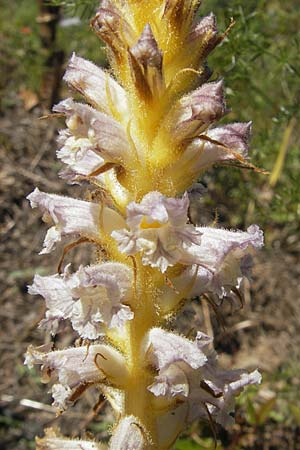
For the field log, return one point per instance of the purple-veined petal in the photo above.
(73, 217)
(58, 298)
(234, 135)
(99, 89)
(89, 129)
(164, 348)
(206, 27)
(218, 397)
(76, 367)
(100, 292)
(227, 143)
(70, 216)
(195, 380)
(158, 229)
(194, 112)
(216, 266)
(91, 298)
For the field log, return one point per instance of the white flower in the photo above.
(77, 367)
(99, 89)
(220, 263)
(158, 229)
(224, 257)
(226, 143)
(195, 378)
(73, 217)
(168, 348)
(90, 131)
(91, 298)
(78, 155)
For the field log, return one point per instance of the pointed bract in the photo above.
(146, 65)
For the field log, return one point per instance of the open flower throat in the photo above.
(141, 138)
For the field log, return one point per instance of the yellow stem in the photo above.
(137, 396)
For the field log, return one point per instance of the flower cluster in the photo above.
(143, 138)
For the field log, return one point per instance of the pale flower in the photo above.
(227, 143)
(195, 378)
(158, 229)
(91, 298)
(73, 217)
(224, 258)
(73, 368)
(90, 131)
(99, 89)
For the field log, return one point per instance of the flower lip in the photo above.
(94, 130)
(158, 229)
(90, 298)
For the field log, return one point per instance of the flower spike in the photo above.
(148, 130)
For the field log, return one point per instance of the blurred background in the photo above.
(260, 62)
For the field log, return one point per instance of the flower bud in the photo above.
(111, 26)
(196, 111)
(204, 37)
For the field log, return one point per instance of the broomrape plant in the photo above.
(145, 135)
